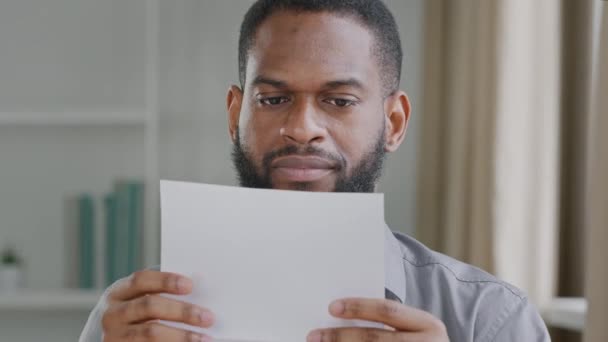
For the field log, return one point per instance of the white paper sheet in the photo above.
(268, 263)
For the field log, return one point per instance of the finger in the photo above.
(156, 307)
(150, 282)
(353, 334)
(391, 313)
(157, 332)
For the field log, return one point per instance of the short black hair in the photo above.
(371, 13)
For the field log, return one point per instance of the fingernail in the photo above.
(196, 315)
(337, 307)
(195, 338)
(206, 317)
(199, 338)
(314, 336)
(181, 284)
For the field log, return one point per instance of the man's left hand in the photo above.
(407, 323)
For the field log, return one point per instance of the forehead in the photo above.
(309, 48)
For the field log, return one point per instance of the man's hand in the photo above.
(134, 308)
(409, 324)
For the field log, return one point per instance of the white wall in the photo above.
(400, 179)
(77, 53)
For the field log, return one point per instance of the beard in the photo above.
(362, 178)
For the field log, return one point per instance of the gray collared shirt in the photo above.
(473, 305)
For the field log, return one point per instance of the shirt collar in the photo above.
(394, 272)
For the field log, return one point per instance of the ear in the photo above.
(397, 109)
(234, 100)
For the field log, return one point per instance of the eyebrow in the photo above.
(349, 82)
(269, 81)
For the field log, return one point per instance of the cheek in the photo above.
(355, 136)
(258, 135)
(351, 147)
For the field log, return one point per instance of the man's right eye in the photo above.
(274, 101)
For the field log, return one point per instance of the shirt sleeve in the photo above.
(92, 331)
(522, 324)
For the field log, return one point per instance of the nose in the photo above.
(302, 124)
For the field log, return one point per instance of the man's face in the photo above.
(312, 114)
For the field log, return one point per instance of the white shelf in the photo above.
(57, 300)
(566, 313)
(73, 118)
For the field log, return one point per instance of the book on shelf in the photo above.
(81, 242)
(124, 226)
(72, 244)
(99, 258)
(110, 233)
(86, 229)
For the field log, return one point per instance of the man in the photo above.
(317, 109)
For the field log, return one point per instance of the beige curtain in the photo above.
(488, 191)
(597, 190)
(455, 190)
(491, 146)
(576, 72)
(527, 146)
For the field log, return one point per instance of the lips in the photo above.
(301, 168)
(297, 162)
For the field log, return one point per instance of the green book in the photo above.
(134, 225)
(128, 227)
(121, 236)
(86, 229)
(72, 242)
(110, 235)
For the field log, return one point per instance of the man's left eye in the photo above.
(340, 102)
(274, 100)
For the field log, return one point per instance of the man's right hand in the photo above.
(135, 306)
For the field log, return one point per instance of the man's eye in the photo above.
(340, 102)
(274, 101)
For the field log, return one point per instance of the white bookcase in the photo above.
(50, 301)
(75, 118)
(61, 132)
(94, 91)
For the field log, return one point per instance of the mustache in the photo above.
(293, 150)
